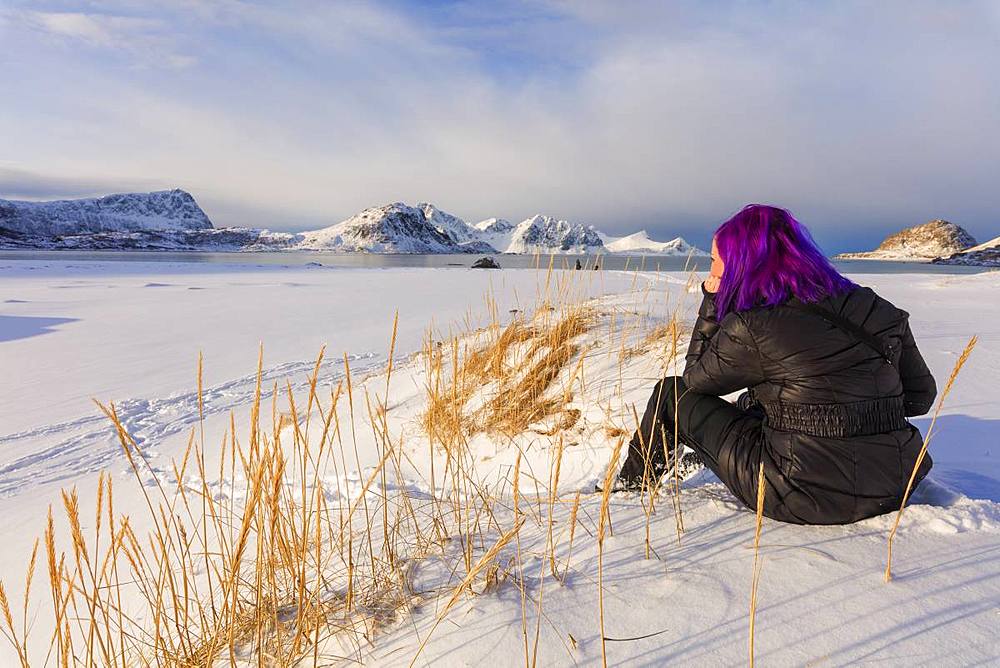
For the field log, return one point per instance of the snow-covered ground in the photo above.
(131, 333)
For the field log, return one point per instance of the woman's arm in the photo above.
(722, 357)
(919, 388)
(705, 326)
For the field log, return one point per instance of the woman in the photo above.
(832, 373)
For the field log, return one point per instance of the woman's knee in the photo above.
(669, 387)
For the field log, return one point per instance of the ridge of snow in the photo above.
(984, 255)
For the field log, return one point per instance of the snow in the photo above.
(494, 225)
(988, 245)
(453, 226)
(131, 332)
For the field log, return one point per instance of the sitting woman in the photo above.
(831, 371)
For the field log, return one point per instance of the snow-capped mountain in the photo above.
(494, 225)
(938, 238)
(453, 226)
(163, 220)
(172, 220)
(545, 234)
(639, 243)
(985, 254)
(399, 228)
(396, 228)
(163, 210)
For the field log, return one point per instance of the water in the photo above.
(366, 260)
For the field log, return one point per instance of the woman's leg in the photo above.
(647, 459)
(727, 438)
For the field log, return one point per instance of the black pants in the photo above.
(728, 438)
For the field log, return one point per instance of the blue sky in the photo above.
(861, 117)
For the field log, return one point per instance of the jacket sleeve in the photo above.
(705, 326)
(722, 357)
(919, 388)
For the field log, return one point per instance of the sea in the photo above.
(376, 261)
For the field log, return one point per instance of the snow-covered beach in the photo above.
(131, 333)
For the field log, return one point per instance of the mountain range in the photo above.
(172, 220)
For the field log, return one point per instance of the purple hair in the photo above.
(769, 257)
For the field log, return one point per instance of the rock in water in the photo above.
(485, 263)
(922, 242)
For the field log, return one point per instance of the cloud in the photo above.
(94, 29)
(145, 41)
(859, 116)
(18, 183)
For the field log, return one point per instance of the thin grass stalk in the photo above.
(604, 515)
(456, 593)
(572, 532)
(923, 451)
(757, 562)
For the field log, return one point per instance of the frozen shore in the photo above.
(131, 333)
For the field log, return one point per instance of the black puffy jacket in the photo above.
(835, 438)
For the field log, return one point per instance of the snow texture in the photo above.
(131, 332)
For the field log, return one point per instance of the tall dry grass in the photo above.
(962, 358)
(255, 548)
(758, 564)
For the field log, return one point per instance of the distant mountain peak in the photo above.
(397, 228)
(930, 240)
(542, 233)
(162, 210)
(639, 243)
(172, 219)
(494, 225)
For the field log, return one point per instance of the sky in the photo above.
(860, 117)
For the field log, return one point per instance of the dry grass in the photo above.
(256, 561)
(517, 365)
(757, 563)
(253, 549)
(923, 450)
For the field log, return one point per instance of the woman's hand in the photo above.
(712, 284)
